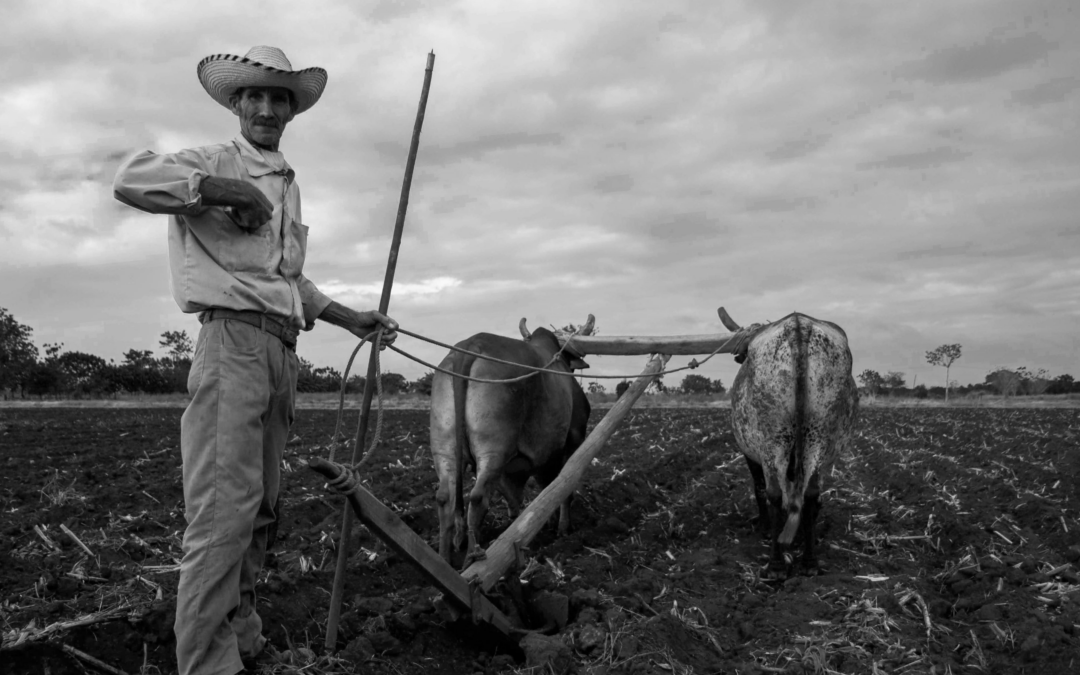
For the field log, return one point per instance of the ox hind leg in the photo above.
(771, 518)
(757, 474)
(490, 464)
(811, 506)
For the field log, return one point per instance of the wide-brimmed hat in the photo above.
(222, 74)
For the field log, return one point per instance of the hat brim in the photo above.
(222, 74)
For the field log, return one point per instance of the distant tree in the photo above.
(596, 388)
(696, 384)
(356, 384)
(1033, 383)
(1062, 384)
(718, 386)
(17, 353)
(79, 370)
(139, 358)
(920, 391)
(621, 388)
(893, 380)
(422, 384)
(945, 355)
(1004, 381)
(178, 343)
(394, 383)
(871, 380)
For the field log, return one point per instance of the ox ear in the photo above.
(577, 364)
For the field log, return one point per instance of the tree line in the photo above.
(25, 371)
(1001, 380)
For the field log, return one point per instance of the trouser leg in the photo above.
(276, 424)
(221, 441)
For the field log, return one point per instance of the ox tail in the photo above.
(796, 465)
(787, 535)
(462, 365)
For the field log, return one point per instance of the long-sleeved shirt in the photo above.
(215, 263)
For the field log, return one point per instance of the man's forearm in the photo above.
(222, 192)
(340, 315)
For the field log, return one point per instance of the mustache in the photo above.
(266, 122)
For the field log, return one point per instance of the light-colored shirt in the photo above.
(215, 263)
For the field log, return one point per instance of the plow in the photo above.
(468, 592)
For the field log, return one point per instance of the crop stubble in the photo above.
(949, 543)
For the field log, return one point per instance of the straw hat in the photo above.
(222, 74)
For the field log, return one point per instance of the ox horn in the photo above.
(728, 322)
(588, 327)
(524, 331)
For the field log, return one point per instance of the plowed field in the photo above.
(950, 542)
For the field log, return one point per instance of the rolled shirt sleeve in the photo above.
(162, 183)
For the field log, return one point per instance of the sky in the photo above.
(908, 170)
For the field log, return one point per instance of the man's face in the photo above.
(263, 113)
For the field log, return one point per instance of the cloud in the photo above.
(906, 170)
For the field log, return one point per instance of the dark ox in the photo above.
(793, 407)
(507, 432)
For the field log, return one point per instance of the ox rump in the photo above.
(793, 409)
(506, 432)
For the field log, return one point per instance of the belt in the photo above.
(261, 321)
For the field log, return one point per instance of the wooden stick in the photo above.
(83, 656)
(369, 384)
(78, 542)
(672, 345)
(500, 555)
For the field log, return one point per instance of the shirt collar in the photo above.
(262, 162)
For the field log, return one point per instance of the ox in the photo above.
(793, 407)
(507, 432)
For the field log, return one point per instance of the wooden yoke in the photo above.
(672, 345)
(501, 555)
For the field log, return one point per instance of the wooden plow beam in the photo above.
(385, 523)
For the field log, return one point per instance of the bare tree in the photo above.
(944, 355)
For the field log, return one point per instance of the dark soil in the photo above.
(949, 542)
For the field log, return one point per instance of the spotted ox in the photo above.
(506, 432)
(793, 407)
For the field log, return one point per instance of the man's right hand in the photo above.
(250, 209)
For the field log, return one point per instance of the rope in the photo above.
(377, 337)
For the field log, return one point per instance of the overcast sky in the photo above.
(908, 170)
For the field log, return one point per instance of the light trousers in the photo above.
(232, 436)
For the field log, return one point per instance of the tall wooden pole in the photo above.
(369, 384)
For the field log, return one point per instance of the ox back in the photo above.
(507, 432)
(793, 408)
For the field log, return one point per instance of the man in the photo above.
(236, 252)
